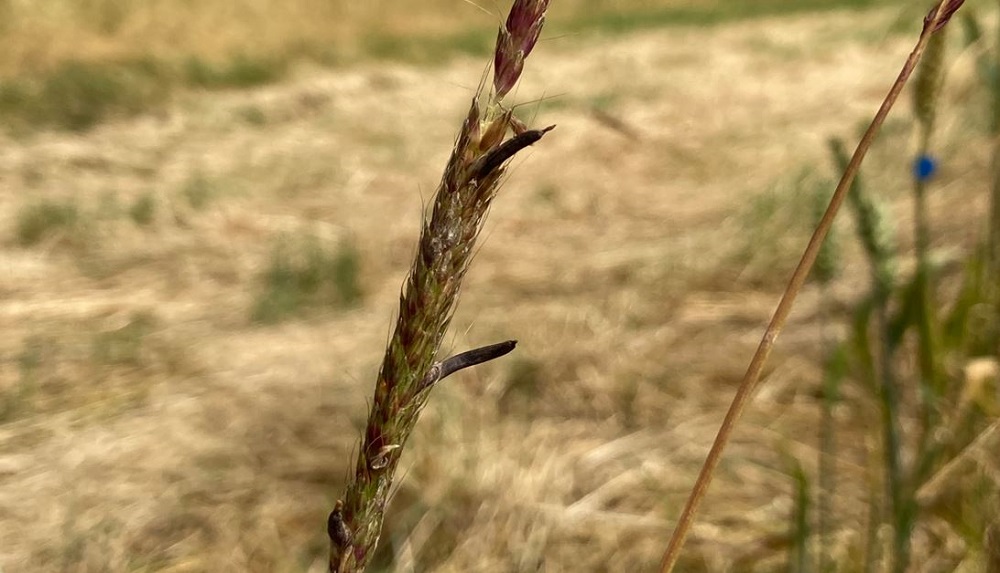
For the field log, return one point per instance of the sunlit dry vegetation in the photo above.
(197, 283)
(39, 37)
(74, 64)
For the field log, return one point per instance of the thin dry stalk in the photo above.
(447, 243)
(935, 20)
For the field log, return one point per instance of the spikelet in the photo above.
(928, 82)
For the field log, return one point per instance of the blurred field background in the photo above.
(207, 210)
(39, 37)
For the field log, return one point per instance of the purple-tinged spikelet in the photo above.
(515, 41)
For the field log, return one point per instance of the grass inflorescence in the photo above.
(470, 182)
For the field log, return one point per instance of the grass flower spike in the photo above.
(409, 371)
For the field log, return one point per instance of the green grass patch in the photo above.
(199, 191)
(44, 219)
(303, 275)
(525, 377)
(252, 116)
(435, 49)
(77, 95)
(143, 209)
(239, 72)
(607, 17)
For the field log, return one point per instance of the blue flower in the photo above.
(924, 168)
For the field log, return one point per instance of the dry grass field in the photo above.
(194, 300)
(42, 36)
